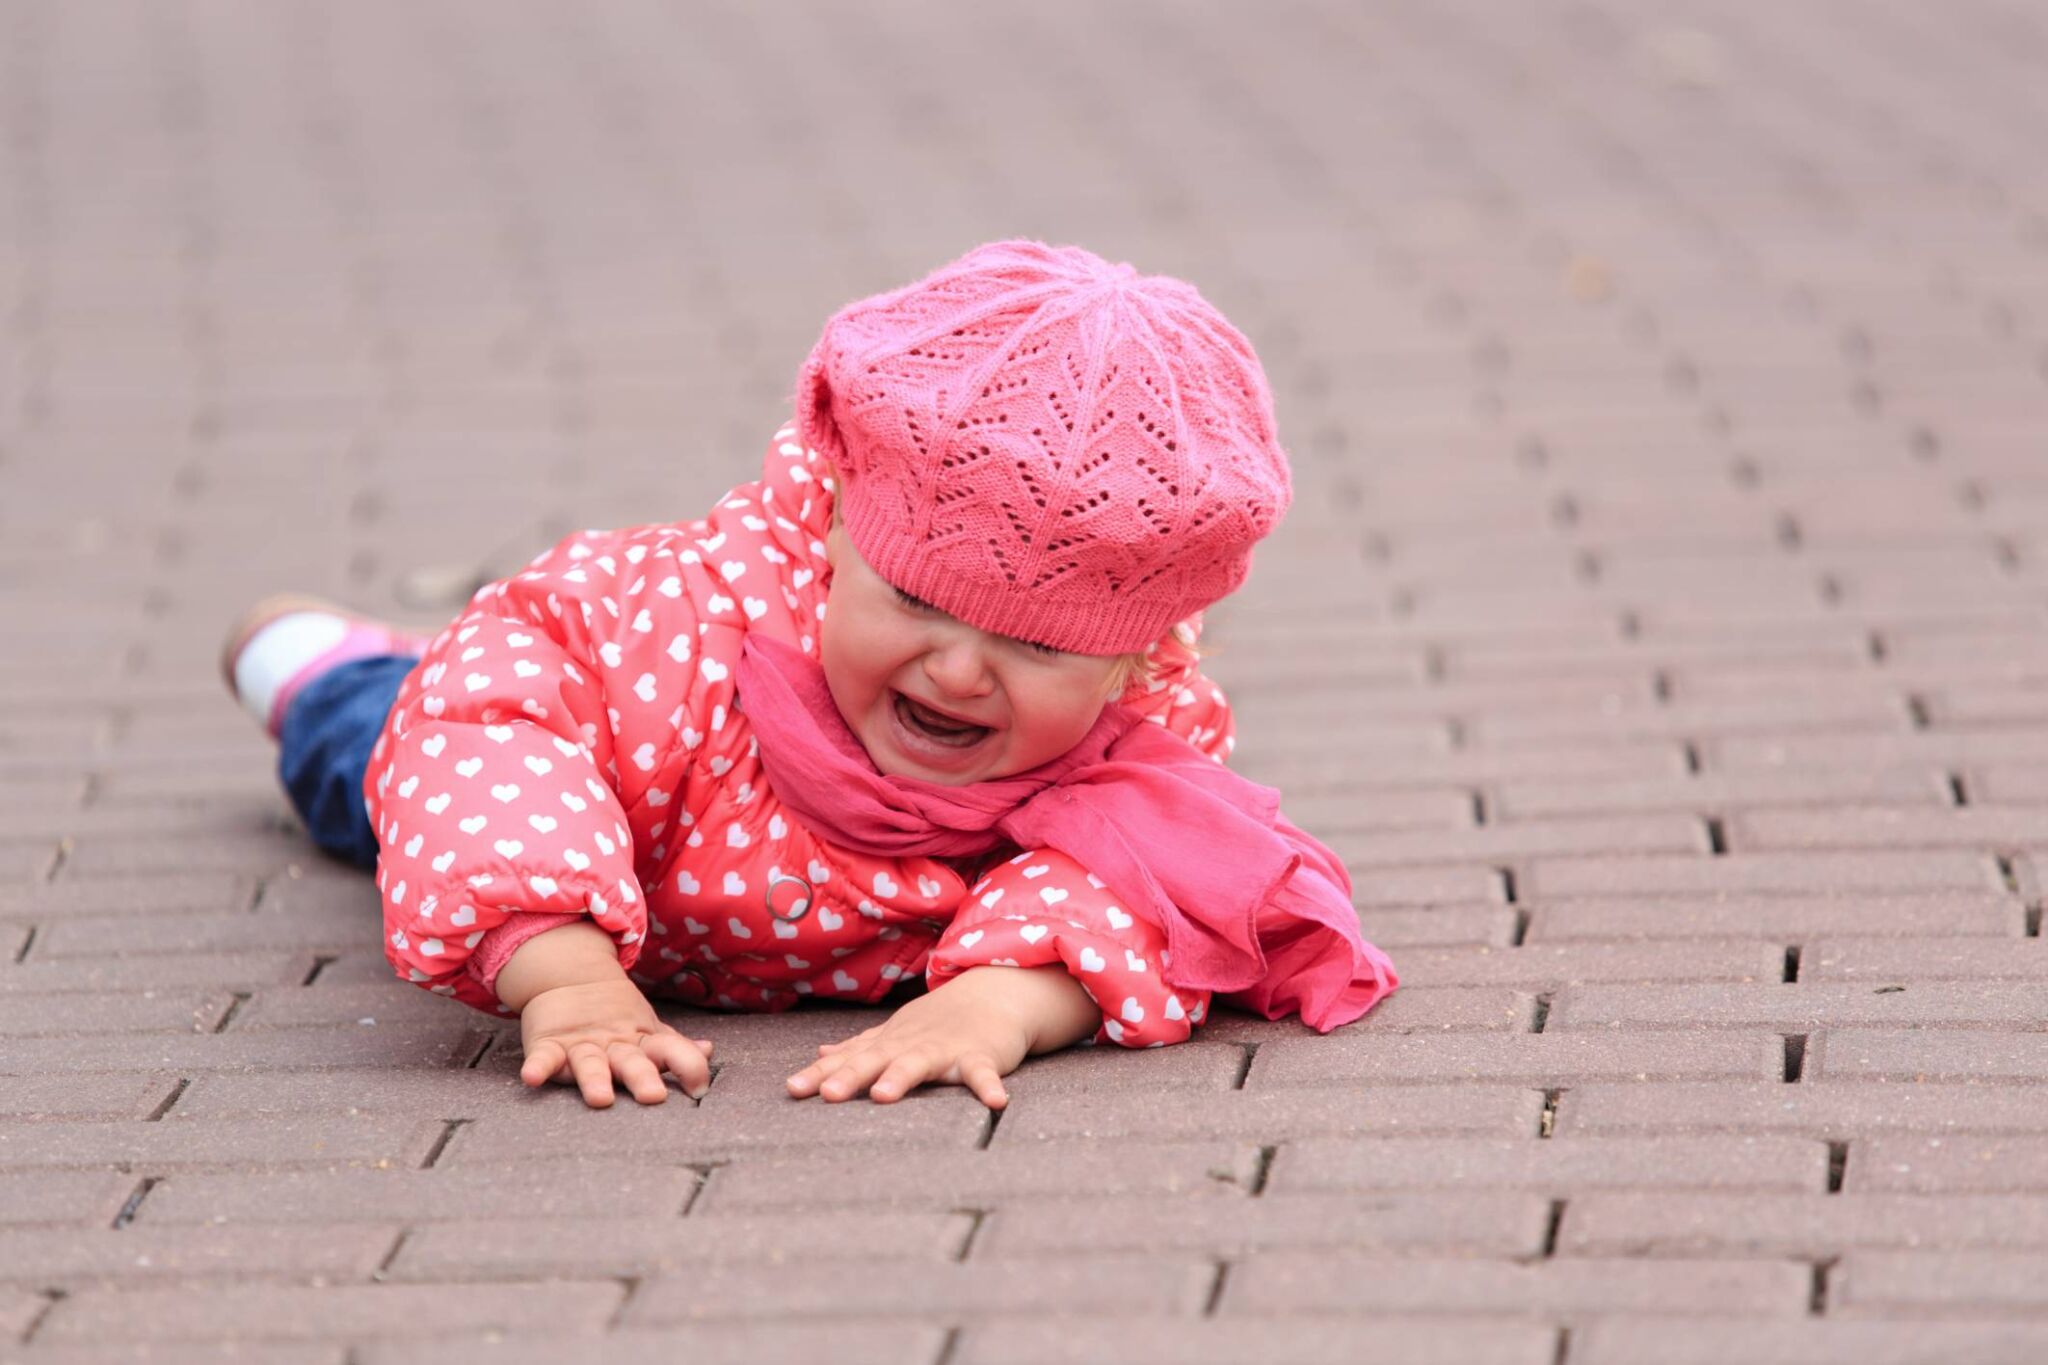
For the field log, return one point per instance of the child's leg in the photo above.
(320, 680)
(324, 749)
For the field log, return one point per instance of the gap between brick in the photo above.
(127, 1213)
(1717, 836)
(321, 963)
(1564, 1346)
(1248, 1051)
(1546, 1122)
(55, 1297)
(1817, 1300)
(1956, 793)
(397, 1245)
(705, 1174)
(177, 1093)
(1838, 1165)
(631, 1284)
(28, 941)
(1791, 962)
(1795, 1057)
(1692, 759)
(441, 1143)
(1916, 707)
(978, 1217)
(64, 847)
(950, 1347)
(234, 1008)
(1550, 1229)
(1216, 1289)
(988, 1132)
(1261, 1168)
(1542, 1012)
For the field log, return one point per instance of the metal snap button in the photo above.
(799, 908)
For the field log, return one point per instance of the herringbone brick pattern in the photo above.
(1661, 633)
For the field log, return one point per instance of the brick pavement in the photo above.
(1659, 633)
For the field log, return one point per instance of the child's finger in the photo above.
(636, 1073)
(980, 1075)
(806, 1082)
(542, 1062)
(593, 1072)
(902, 1076)
(854, 1073)
(682, 1060)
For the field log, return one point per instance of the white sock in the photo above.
(276, 654)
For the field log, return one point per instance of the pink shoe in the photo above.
(285, 641)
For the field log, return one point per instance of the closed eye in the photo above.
(919, 604)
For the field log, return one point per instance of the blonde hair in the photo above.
(1126, 671)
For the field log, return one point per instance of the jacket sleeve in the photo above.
(504, 778)
(1041, 909)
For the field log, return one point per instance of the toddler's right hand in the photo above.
(584, 1034)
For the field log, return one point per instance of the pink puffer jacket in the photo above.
(569, 747)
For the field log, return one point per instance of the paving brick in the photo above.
(1068, 1285)
(1719, 793)
(1888, 961)
(700, 1343)
(438, 1046)
(83, 1097)
(188, 892)
(1542, 1060)
(1812, 1107)
(330, 1006)
(463, 1093)
(80, 934)
(1552, 965)
(1560, 1166)
(595, 1242)
(1780, 918)
(1660, 1223)
(1829, 873)
(1931, 1165)
(394, 1193)
(1879, 1055)
(90, 1198)
(1396, 929)
(1231, 1340)
(1688, 717)
(115, 855)
(1944, 749)
(1971, 827)
(1890, 1283)
(1476, 1223)
(214, 1312)
(1273, 1115)
(1799, 1007)
(1410, 886)
(941, 1179)
(165, 971)
(1521, 840)
(197, 1144)
(154, 1353)
(44, 1016)
(1715, 1340)
(67, 1258)
(718, 1128)
(27, 860)
(1333, 1282)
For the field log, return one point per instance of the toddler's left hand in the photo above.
(971, 1030)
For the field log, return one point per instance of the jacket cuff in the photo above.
(495, 949)
(1139, 1009)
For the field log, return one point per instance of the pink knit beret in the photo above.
(1048, 446)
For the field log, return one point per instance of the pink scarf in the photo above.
(1177, 836)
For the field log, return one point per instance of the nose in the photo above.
(957, 667)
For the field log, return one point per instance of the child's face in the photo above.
(878, 649)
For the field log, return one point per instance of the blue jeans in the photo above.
(324, 750)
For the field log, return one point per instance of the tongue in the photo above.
(932, 721)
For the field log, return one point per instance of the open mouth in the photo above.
(938, 729)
